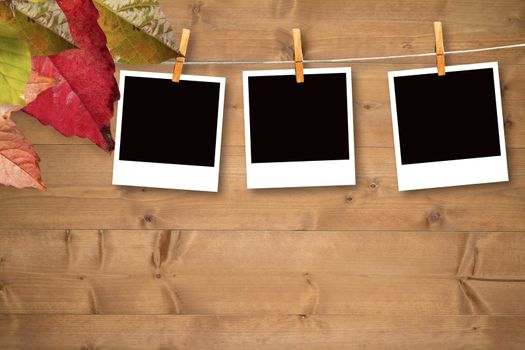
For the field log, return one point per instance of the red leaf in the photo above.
(81, 104)
(18, 159)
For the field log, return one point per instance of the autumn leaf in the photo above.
(15, 66)
(42, 25)
(18, 160)
(81, 104)
(137, 31)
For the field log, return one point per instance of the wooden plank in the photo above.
(373, 126)
(365, 253)
(257, 293)
(85, 199)
(219, 272)
(242, 293)
(261, 332)
(241, 30)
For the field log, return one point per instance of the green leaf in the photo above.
(46, 14)
(15, 66)
(42, 40)
(137, 30)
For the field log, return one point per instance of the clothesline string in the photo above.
(352, 59)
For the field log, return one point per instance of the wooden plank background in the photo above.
(87, 265)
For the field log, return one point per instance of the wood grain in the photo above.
(191, 272)
(245, 30)
(261, 332)
(87, 265)
(80, 196)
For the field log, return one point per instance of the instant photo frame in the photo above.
(448, 130)
(299, 134)
(171, 135)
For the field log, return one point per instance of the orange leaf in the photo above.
(18, 160)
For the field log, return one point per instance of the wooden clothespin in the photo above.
(440, 48)
(298, 55)
(177, 70)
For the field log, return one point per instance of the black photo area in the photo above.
(167, 122)
(291, 122)
(447, 118)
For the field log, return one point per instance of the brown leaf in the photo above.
(18, 159)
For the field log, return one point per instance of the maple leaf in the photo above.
(81, 104)
(18, 160)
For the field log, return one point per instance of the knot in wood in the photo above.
(434, 217)
(68, 236)
(196, 8)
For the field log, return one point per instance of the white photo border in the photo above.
(306, 173)
(170, 176)
(452, 172)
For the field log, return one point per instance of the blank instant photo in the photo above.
(169, 134)
(448, 130)
(299, 135)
